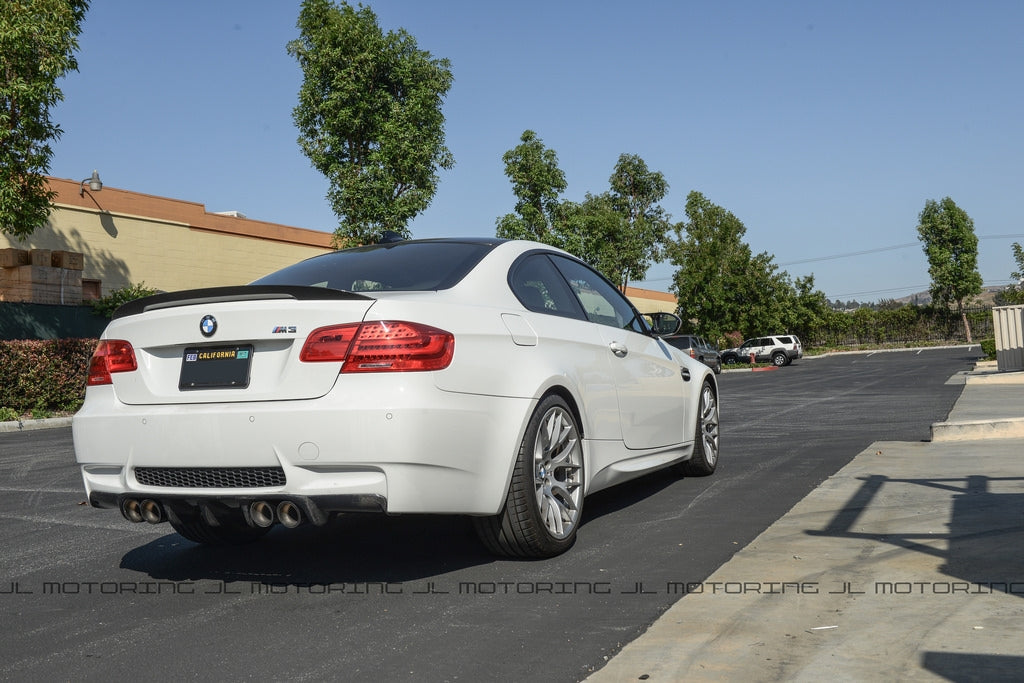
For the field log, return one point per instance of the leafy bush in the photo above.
(111, 302)
(988, 347)
(8, 414)
(733, 339)
(43, 377)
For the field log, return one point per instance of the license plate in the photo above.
(215, 367)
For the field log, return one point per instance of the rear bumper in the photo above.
(316, 509)
(403, 448)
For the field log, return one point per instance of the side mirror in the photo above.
(664, 324)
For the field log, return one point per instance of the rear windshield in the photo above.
(681, 342)
(402, 266)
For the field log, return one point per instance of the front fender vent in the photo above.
(211, 477)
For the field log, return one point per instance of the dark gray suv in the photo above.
(698, 348)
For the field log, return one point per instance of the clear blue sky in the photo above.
(823, 126)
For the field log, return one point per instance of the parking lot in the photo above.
(374, 597)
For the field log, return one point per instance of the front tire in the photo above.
(545, 499)
(706, 439)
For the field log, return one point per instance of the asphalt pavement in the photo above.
(907, 564)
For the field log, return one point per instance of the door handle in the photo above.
(619, 349)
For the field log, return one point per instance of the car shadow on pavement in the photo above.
(354, 548)
(359, 547)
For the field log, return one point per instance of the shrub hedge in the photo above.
(41, 377)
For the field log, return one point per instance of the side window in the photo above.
(541, 288)
(785, 340)
(601, 302)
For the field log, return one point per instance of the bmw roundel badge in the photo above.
(208, 325)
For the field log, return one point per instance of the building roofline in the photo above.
(652, 294)
(192, 214)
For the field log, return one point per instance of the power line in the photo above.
(918, 289)
(881, 249)
(863, 252)
(851, 253)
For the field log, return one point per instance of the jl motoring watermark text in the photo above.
(525, 588)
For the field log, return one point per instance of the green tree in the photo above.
(809, 311)
(369, 118)
(947, 234)
(591, 230)
(722, 286)
(38, 40)
(635, 193)
(537, 181)
(1014, 294)
(620, 232)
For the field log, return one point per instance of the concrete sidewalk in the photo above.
(908, 564)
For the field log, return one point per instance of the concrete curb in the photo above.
(868, 352)
(997, 378)
(1007, 428)
(30, 425)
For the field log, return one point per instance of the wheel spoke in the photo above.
(709, 424)
(558, 462)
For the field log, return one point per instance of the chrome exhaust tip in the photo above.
(151, 511)
(289, 514)
(262, 513)
(131, 510)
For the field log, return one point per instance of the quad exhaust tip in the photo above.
(143, 511)
(132, 511)
(288, 514)
(152, 512)
(262, 513)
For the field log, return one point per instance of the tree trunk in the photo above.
(967, 325)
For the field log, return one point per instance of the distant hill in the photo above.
(987, 297)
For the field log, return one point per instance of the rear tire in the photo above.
(780, 359)
(230, 531)
(706, 438)
(545, 498)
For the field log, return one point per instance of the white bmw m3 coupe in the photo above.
(504, 380)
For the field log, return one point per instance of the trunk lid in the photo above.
(229, 344)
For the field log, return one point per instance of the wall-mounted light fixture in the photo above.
(95, 184)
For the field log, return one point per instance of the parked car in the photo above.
(698, 348)
(779, 350)
(504, 380)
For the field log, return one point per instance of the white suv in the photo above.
(778, 349)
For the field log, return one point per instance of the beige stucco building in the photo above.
(169, 244)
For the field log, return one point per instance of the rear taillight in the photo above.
(380, 346)
(110, 356)
(693, 354)
(327, 344)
